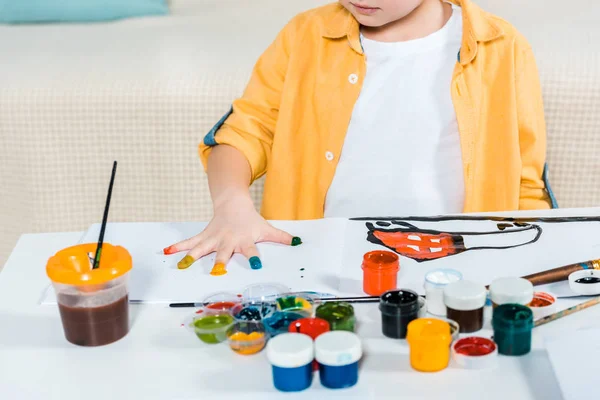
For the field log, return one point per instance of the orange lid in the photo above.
(72, 266)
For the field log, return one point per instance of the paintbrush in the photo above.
(561, 273)
(104, 218)
(366, 299)
(352, 300)
(568, 311)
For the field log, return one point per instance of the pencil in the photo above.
(568, 311)
(104, 218)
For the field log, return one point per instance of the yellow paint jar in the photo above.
(429, 340)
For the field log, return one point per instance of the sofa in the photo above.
(143, 91)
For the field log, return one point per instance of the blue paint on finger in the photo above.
(255, 263)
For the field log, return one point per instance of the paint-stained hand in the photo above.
(235, 228)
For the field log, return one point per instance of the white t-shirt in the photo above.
(402, 153)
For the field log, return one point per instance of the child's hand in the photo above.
(235, 228)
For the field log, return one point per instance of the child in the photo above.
(372, 108)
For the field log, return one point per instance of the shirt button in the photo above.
(329, 156)
(353, 78)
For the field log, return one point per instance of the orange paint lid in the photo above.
(72, 266)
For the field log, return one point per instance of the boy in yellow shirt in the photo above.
(377, 107)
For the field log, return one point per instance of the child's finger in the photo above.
(194, 254)
(278, 236)
(251, 253)
(184, 245)
(224, 253)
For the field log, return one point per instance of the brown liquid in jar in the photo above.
(468, 321)
(96, 326)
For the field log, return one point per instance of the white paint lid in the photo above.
(465, 295)
(511, 290)
(584, 288)
(290, 350)
(441, 277)
(338, 348)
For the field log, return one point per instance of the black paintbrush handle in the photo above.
(105, 218)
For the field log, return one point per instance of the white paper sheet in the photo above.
(559, 244)
(576, 361)
(313, 266)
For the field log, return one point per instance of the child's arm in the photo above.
(532, 131)
(234, 155)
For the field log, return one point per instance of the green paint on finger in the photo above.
(296, 241)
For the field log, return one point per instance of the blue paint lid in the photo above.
(338, 348)
(290, 350)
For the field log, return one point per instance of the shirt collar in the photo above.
(478, 26)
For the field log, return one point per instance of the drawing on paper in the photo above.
(425, 244)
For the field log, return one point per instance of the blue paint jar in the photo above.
(338, 353)
(291, 356)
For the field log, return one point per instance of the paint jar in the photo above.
(475, 352)
(302, 305)
(398, 308)
(542, 305)
(313, 327)
(263, 292)
(512, 325)
(585, 282)
(247, 338)
(339, 315)
(429, 340)
(93, 303)
(380, 272)
(253, 311)
(511, 291)
(435, 282)
(291, 356)
(465, 301)
(338, 354)
(279, 322)
(216, 303)
(212, 328)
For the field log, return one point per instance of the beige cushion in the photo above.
(73, 98)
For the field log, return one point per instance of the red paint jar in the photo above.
(312, 327)
(380, 272)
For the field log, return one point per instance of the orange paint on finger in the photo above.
(218, 270)
(170, 250)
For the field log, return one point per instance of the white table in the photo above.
(158, 359)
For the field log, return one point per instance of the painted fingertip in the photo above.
(186, 262)
(218, 269)
(169, 250)
(255, 263)
(296, 241)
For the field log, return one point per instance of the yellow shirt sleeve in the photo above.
(250, 125)
(532, 132)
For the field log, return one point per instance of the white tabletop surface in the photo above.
(159, 359)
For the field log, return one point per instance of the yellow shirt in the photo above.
(293, 116)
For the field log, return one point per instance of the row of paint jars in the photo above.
(292, 356)
(380, 272)
(430, 338)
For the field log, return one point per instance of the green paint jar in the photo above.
(212, 329)
(512, 325)
(339, 315)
